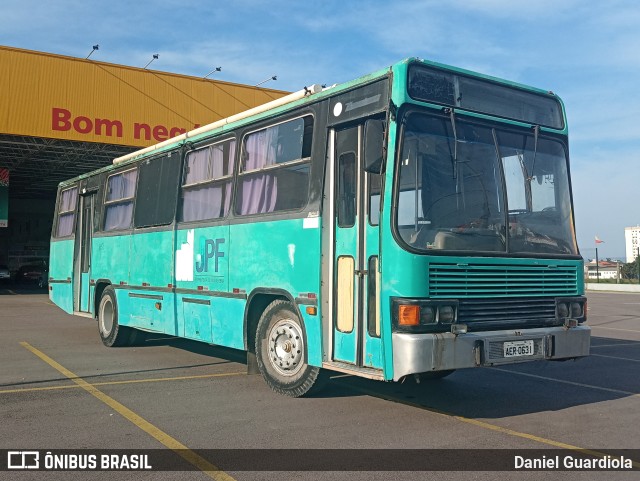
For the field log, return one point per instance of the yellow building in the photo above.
(62, 116)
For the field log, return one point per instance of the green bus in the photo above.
(411, 222)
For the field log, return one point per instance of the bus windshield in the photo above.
(469, 187)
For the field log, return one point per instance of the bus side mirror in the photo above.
(373, 146)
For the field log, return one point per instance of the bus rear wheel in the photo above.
(281, 351)
(111, 332)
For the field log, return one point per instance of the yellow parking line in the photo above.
(483, 424)
(193, 458)
(130, 381)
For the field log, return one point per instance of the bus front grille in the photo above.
(474, 280)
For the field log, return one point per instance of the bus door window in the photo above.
(375, 191)
(67, 212)
(347, 189)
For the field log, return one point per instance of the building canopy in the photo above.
(63, 116)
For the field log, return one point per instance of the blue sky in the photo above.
(588, 53)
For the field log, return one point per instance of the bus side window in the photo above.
(118, 200)
(207, 179)
(157, 191)
(275, 168)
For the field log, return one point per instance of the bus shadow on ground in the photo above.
(610, 373)
(195, 347)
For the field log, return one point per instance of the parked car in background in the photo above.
(33, 274)
(5, 275)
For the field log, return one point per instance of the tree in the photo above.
(630, 269)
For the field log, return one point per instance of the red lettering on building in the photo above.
(60, 119)
(109, 126)
(175, 131)
(160, 133)
(82, 125)
(141, 128)
(63, 120)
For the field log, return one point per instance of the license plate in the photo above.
(518, 348)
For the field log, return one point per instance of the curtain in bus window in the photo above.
(197, 167)
(195, 199)
(209, 201)
(259, 191)
(122, 186)
(66, 217)
(118, 214)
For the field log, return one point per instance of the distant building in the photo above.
(606, 269)
(632, 241)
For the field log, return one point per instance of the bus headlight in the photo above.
(563, 310)
(427, 315)
(576, 310)
(571, 308)
(422, 315)
(446, 314)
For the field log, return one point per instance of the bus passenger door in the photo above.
(82, 256)
(356, 327)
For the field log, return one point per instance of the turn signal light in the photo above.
(408, 315)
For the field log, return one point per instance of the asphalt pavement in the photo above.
(61, 389)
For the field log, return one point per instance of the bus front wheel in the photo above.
(111, 332)
(281, 351)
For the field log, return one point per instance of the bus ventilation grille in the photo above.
(523, 312)
(451, 280)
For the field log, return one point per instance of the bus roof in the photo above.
(306, 95)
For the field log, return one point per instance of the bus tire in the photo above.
(281, 351)
(111, 332)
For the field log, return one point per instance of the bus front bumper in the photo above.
(419, 353)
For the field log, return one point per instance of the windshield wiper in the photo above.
(536, 132)
(452, 119)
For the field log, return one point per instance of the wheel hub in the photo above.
(286, 347)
